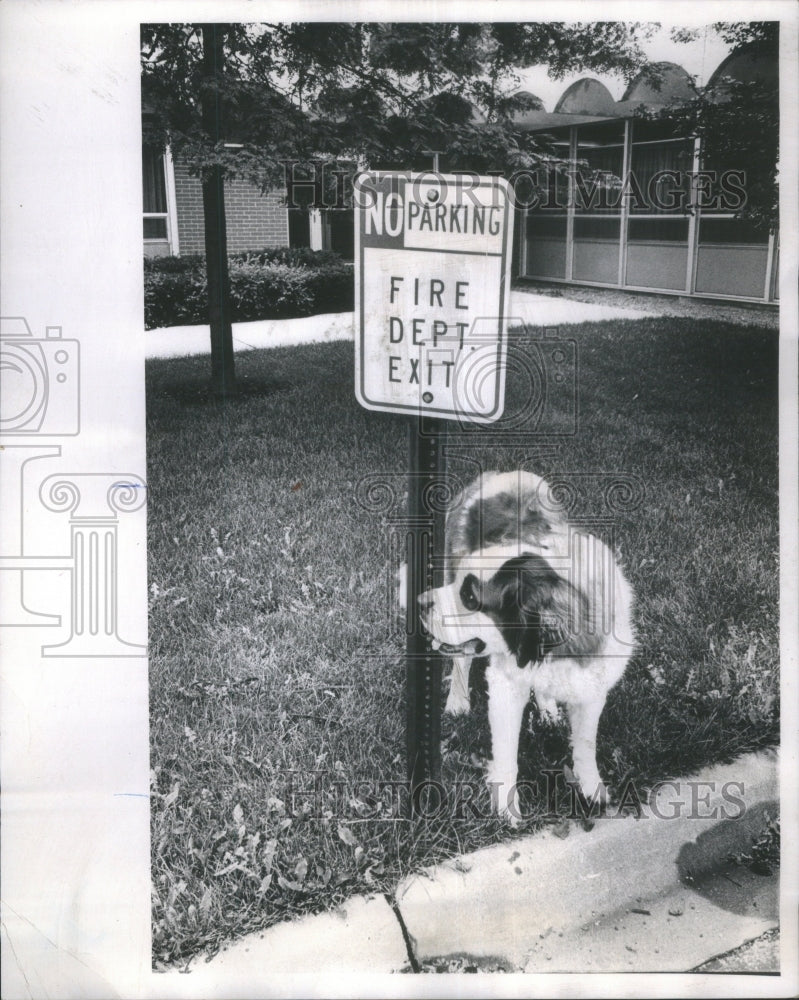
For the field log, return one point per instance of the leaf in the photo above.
(561, 829)
(238, 815)
(347, 835)
(233, 867)
(169, 799)
(301, 869)
(268, 854)
(285, 883)
(207, 901)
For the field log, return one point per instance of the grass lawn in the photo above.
(276, 664)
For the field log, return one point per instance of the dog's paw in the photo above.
(504, 799)
(594, 792)
(511, 814)
(585, 778)
(593, 800)
(458, 702)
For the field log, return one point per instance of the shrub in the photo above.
(269, 291)
(293, 256)
(174, 265)
(174, 299)
(278, 283)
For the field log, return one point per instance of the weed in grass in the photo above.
(763, 856)
(277, 705)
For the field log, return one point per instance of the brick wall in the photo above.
(253, 220)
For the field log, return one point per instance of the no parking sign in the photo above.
(432, 281)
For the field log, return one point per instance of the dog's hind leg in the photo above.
(458, 697)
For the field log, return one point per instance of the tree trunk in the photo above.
(223, 375)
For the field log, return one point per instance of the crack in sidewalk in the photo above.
(406, 937)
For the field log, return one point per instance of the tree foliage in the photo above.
(738, 121)
(382, 92)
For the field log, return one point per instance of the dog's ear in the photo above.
(535, 606)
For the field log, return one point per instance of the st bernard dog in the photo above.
(547, 603)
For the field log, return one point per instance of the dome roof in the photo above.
(745, 65)
(674, 84)
(586, 97)
(533, 99)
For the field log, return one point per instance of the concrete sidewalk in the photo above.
(649, 893)
(525, 308)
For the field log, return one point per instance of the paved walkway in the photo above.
(647, 894)
(545, 305)
(725, 311)
(525, 307)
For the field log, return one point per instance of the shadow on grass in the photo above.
(188, 381)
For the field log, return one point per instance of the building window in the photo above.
(660, 170)
(600, 163)
(660, 181)
(598, 193)
(339, 232)
(731, 230)
(662, 230)
(155, 201)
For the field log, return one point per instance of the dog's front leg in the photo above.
(508, 693)
(584, 721)
(458, 697)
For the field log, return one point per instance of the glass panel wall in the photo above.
(658, 192)
(546, 224)
(650, 222)
(598, 188)
(732, 253)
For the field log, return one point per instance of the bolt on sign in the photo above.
(432, 283)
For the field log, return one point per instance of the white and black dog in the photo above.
(547, 603)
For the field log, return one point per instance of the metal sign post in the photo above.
(432, 282)
(425, 548)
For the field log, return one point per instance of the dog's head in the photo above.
(517, 605)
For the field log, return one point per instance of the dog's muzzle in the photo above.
(472, 647)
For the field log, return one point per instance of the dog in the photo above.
(547, 603)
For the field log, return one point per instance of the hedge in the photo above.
(277, 283)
